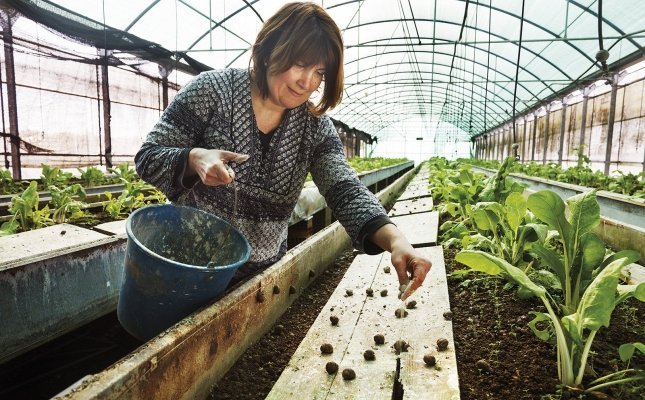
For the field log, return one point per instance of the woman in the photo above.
(241, 142)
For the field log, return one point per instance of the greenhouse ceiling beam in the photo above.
(398, 98)
(434, 83)
(217, 23)
(537, 55)
(141, 14)
(448, 42)
(409, 110)
(608, 22)
(427, 51)
(461, 95)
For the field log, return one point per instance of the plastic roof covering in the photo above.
(452, 61)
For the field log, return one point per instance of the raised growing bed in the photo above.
(55, 279)
(197, 351)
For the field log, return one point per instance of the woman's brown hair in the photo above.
(300, 32)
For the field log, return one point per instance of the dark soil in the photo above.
(490, 327)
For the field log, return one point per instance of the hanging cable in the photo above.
(602, 55)
(517, 71)
(490, 12)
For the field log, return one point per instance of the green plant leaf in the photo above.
(585, 212)
(626, 351)
(549, 207)
(484, 262)
(543, 334)
(550, 259)
(597, 302)
(515, 209)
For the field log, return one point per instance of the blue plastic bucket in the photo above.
(167, 274)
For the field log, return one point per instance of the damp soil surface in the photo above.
(498, 356)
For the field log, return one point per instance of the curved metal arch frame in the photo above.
(469, 72)
(536, 97)
(451, 107)
(476, 29)
(446, 97)
(442, 74)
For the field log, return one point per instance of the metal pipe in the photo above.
(610, 122)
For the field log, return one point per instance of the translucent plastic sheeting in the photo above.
(448, 60)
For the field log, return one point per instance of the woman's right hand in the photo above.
(212, 165)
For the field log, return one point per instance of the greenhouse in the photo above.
(356, 199)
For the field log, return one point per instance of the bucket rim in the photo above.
(130, 236)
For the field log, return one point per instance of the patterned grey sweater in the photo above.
(214, 111)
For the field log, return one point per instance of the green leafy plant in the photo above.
(92, 176)
(130, 199)
(510, 227)
(498, 186)
(7, 184)
(362, 164)
(66, 206)
(582, 251)
(25, 212)
(54, 176)
(124, 173)
(576, 331)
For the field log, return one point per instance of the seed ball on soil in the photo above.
(483, 365)
(369, 355)
(401, 346)
(349, 292)
(326, 348)
(331, 368)
(334, 320)
(276, 289)
(278, 329)
(400, 313)
(383, 292)
(429, 360)
(412, 304)
(447, 315)
(442, 344)
(386, 270)
(349, 374)
(379, 339)
(370, 292)
(292, 290)
(260, 297)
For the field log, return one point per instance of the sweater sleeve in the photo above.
(161, 160)
(353, 205)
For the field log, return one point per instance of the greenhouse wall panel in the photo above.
(553, 144)
(130, 125)
(56, 122)
(539, 138)
(572, 131)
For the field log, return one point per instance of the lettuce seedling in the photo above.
(576, 331)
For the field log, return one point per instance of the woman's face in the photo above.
(293, 87)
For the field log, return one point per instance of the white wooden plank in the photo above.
(374, 379)
(421, 329)
(305, 376)
(420, 229)
(44, 241)
(415, 191)
(115, 227)
(411, 206)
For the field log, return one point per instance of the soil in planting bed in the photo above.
(490, 324)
